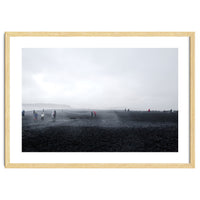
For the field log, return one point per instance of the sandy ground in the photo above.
(110, 131)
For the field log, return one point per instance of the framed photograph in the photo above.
(99, 99)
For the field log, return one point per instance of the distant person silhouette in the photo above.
(23, 113)
(95, 114)
(42, 115)
(53, 115)
(35, 115)
(91, 114)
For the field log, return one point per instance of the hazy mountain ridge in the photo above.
(39, 106)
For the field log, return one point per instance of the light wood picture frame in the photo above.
(190, 35)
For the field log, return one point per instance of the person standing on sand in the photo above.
(53, 115)
(42, 115)
(35, 116)
(95, 114)
(91, 114)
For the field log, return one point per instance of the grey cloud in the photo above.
(101, 78)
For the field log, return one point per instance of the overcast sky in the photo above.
(101, 77)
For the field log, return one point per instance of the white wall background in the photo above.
(104, 15)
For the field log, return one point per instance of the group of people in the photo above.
(128, 110)
(35, 115)
(93, 114)
(53, 114)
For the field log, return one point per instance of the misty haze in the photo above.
(101, 78)
(100, 100)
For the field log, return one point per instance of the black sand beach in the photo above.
(110, 131)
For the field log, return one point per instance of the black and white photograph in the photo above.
(100, 100)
